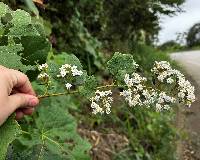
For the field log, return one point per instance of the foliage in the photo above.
(131, 17)
(145, 56)
(8, 132)
(52, 135)
(170, 46)
(76, 31)
(15, 27)
(88, 89)
(120, 64)
(151, 135)
(16, 30)
(193, 36)
(86, 27)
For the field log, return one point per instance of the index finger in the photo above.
(21, 83)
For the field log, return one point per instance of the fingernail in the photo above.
(33, 102)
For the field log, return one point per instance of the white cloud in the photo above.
(181, 22)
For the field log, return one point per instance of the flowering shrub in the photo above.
(51, 132)
(137, 91)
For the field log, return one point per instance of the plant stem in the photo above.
(56, 94)
(24, 132)
(73, 92)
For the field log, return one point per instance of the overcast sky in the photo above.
(181, 22)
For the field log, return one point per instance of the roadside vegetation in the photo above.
(93, 31)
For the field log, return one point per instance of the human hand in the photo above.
(16, 94)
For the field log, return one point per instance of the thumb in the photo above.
(20, 100)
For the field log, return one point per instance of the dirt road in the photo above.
(190, 118)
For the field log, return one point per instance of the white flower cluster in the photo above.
(43, 67)
(163, 71)
(186, 91)
(164, 101)
(101, 102)
(43, 76)
(137, 94)
(136, 79)
(68, 70)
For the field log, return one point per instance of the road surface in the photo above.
(190, 62)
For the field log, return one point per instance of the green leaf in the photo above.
(3, 9)
(8, 132)
(89, 87)
(32, 7)
(20, 18)
(53, 135)
(65, 58)
(10, 58)
(17, 28)
(120, 64)
(39, 48)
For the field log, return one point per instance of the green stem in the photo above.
(24, 132)
(56, 94)
(73, 92)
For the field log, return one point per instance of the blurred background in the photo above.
(149, 30)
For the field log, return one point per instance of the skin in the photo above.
(16, 94)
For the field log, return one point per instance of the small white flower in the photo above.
(126, 93)
(158, 107)
(181, 95)
(128, 81)
(43, 76)
(166, 107)
(43, 67)
(68, 86)
(170, 80)
(96, 108)
(67, 69)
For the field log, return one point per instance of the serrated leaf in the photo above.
(11, 59)
(20, 17)
(8, 132)
(121, 64)
(39, 48)
(18, 27)
(3, 9)
(53, 133)
(89, 87)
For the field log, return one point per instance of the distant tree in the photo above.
(181, 38)
(126, 19)
(193, 37)
(170, 45)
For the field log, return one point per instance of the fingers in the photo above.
(24, 111)
(16, 101)
(19, 115)
(17, 94)
(20, 100)
(21, 83)
(28, 111)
